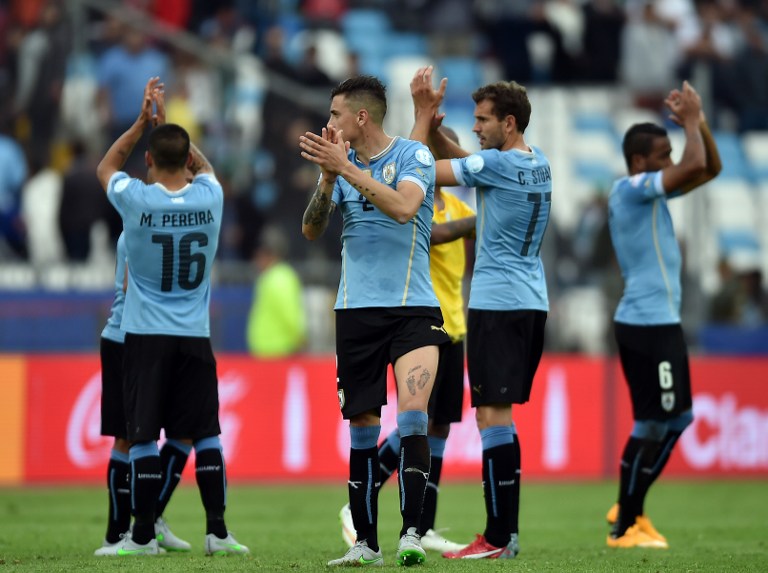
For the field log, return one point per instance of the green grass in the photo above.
(711, 526)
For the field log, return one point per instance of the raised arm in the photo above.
(427, 119)
(685, 106)
(714, 164)
(198, 163)
(329, 151)
(120, 150)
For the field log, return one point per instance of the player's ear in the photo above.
(148, 159)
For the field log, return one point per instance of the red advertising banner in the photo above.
(280, 421)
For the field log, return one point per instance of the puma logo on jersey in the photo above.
(438, 328)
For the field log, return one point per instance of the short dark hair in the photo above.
(365, 92)
(508, 98)
(638, 140)
(169, 146)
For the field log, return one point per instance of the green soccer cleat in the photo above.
(359, 555)
(166, 538)
(409, 550)
(227, 546)
(127, 547)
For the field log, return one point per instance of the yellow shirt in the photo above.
(446, 266)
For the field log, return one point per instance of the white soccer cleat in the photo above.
(409, 550)
(348, 533)
(359, 555)
(166, 538)
(227, 546)
(126, 547)
(433, 541)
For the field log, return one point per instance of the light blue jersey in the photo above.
(648, 254)
(384, 263)
(514, 196)
(112, 328)
(170, 240)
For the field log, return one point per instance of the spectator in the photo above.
(13, 173)
(122, 73)
(276, 322)
(41, 67)
(82, 204)
(40, 200)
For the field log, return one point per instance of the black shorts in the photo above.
(655, 364)
(368, 340)
(447, 399)
(170, 383)
(503, 352)
(112, 409)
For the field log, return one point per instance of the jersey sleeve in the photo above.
(417, 166)
(478, 169)
(119, 190)
(645, 187)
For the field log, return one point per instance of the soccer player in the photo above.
(452, 220)
(508, 302)
(171, 231)
(652, 349)
(386, 309)
(173, 454)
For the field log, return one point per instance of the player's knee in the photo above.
(653, 430)
(681, 422)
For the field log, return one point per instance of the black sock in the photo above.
(430, 495)
(119, 486)
(664, 452)
(212, 482)
(145, 480)
(514, 518)
(364, 494)
(637, 462)
(388, 460)
(172, 462)
(498, 480)
(412, 477)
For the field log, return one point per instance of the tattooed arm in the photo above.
(198, 163)
(319, 210)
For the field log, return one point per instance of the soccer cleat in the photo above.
(348, 533)
(409, 550)
(634, 537)
(644, 524)
(127, 547)
(359, 555)
(512, 548)
(228, 546)
(479, 549)
(166, 538)
(433, 541)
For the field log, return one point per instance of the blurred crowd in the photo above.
(246, 77)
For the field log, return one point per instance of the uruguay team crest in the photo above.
(388, 173)
(342, 400)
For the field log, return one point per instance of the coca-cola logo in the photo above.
(86, 447)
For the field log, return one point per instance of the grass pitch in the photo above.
(712, 526)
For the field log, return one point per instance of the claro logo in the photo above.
(724, 435)
(87, 448)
